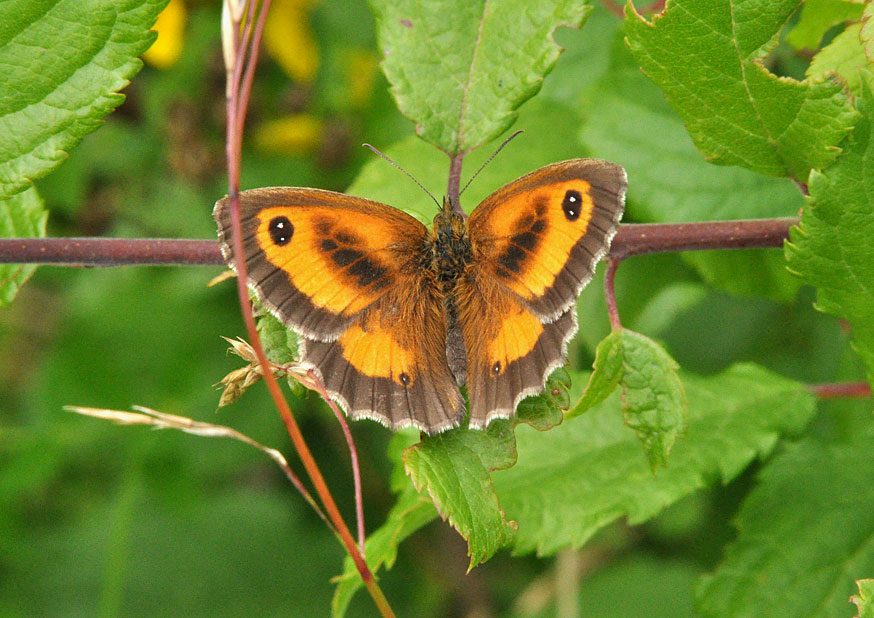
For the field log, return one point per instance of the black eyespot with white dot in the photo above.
(281, 230)
(572, 205)
(404, 378)
(496, 368)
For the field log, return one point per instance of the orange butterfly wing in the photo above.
(510, 351)
(317, 258)
(535, 244)
(346, 273)
(541, 235)
(390, 364)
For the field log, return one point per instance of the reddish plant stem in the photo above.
(237, 103)
(838, 390)
(353, 452)
(110, 252)
(454, 183)
(610, 293)
(643, 238)
(632, 239)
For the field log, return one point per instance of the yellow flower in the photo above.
(288, 38)
(170, 26)
(297, 133)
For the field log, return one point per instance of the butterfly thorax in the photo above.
(450, 250)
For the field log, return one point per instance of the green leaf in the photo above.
(455, 469)
(21, 215)
(864, 601)
(461, 69)
(68, 60)
(280, 342)
(818, 16)
(655, 404)
(805, 532)
(832, 248)
(845, 56)
(411, 512)
(653, 400)
(867, 33)
(669, 180)
(572, 481)
(707, 57)
(544, 411)
(608, 370)
(545, 141)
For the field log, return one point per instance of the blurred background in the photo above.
(97, 519)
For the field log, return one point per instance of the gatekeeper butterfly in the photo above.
(394, 317)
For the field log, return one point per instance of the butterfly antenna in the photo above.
(406, 173)
(495, 154)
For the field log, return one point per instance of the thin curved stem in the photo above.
(238, 95)
(610, 293)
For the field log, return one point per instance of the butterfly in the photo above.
(393, 317)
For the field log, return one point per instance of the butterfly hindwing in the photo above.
(541, 235)
(510, 351)
(390, 364)
(316, 258)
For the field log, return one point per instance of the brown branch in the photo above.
(632, 239)
(642, 238)
(110, 252)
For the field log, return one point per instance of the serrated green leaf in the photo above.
(655, 401)
(832, 248)
(864, 601)
(608, 370)
(707, 57)
(845, 56)
(572, 481)
(455, 469)
(669, 180)
(68, 59)
(21, 216)
(410, 513)
(447, 469)
(818, 16)
(805, 532)
(461, 69)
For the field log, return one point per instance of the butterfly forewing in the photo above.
(541, 236)
(316, 258)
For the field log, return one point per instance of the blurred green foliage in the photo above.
(101, 520)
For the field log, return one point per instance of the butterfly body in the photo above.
(394, 316)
